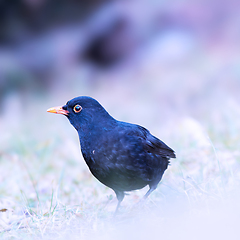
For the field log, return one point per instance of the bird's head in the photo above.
(82, 112)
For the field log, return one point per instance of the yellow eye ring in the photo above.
(77, 108)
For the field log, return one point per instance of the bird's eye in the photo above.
(77, 108)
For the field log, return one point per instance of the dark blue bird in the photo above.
(122, 156)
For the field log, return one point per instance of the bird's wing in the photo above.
(145, 155)
(154, 145)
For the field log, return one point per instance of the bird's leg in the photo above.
(142, 201)
(151, 189)
(120, 196)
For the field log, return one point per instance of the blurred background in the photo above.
(180, 55)
(172, 66)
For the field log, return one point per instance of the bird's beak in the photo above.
(58, 110)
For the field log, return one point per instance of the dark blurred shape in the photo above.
(111, 35)
(22, 18)
(110, 46)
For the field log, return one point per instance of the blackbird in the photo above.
(122, 156)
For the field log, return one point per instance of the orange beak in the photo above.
(58, 110)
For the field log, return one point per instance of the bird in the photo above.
(123, 156)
